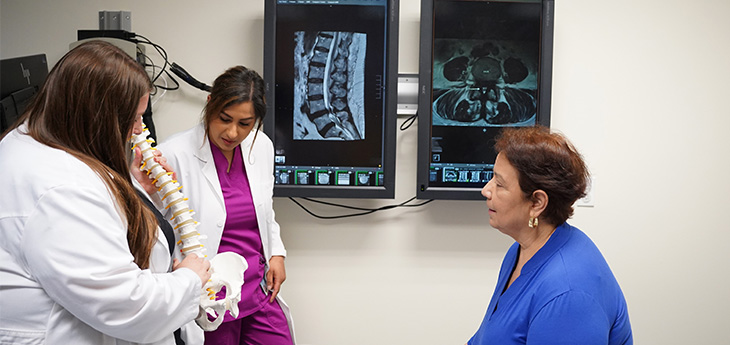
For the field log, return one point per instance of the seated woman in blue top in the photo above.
(554, 285)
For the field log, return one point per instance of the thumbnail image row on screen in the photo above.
(460, 174)
(328, 177)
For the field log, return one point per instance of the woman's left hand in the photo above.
(275, 276)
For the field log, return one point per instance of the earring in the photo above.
(532, 222)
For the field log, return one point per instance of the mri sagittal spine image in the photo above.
(329, 68)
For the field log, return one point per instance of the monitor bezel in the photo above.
(387, 190)
(423, 188)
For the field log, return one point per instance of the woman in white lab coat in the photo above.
(82, 260)
(225, 167)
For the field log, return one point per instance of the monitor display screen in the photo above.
(20, 79)
(330, 68)
(484, 65)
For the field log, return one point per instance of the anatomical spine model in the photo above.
(226, 268)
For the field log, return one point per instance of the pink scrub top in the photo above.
(241, 232)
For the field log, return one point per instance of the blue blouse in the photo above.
(565, 294)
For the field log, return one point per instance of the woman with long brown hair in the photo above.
(81, 259)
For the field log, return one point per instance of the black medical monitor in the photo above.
(330, 68)
(20, 79)
(484, 65)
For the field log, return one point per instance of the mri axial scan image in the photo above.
(484, 83)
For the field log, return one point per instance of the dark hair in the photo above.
(236, 85)
(87, 107)
(546, 161)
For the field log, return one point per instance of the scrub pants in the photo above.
(267, 326)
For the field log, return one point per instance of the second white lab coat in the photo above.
(190, 156)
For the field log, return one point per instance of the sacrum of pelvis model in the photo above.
(226, 268)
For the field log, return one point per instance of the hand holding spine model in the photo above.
(226, 268)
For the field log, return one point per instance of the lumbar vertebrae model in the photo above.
(226, 268)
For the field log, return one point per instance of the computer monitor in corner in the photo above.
(484, 65)
(330, 68)
(20, 79)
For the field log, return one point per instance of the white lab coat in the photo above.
(66, 272)
(190, 156)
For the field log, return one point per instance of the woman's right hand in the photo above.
(197, 264)
(141, 176)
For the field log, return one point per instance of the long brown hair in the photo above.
(87, 107)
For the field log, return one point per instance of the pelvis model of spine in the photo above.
(226, 268)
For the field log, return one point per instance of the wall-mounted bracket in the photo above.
(407, 94)
(115, 20)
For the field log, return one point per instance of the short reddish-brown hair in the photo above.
(546, 161)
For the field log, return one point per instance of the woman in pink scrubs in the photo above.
(225, 165)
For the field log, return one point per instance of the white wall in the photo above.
(641, 88)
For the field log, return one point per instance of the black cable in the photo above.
(177, 85)
(184, 75)
(160, 51)
(150, 64)
(367, 210)
(174, 68)
(337, 205)
(154, 66)
(408, 122)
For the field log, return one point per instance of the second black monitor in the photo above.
(330, 68)
(484, 65)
